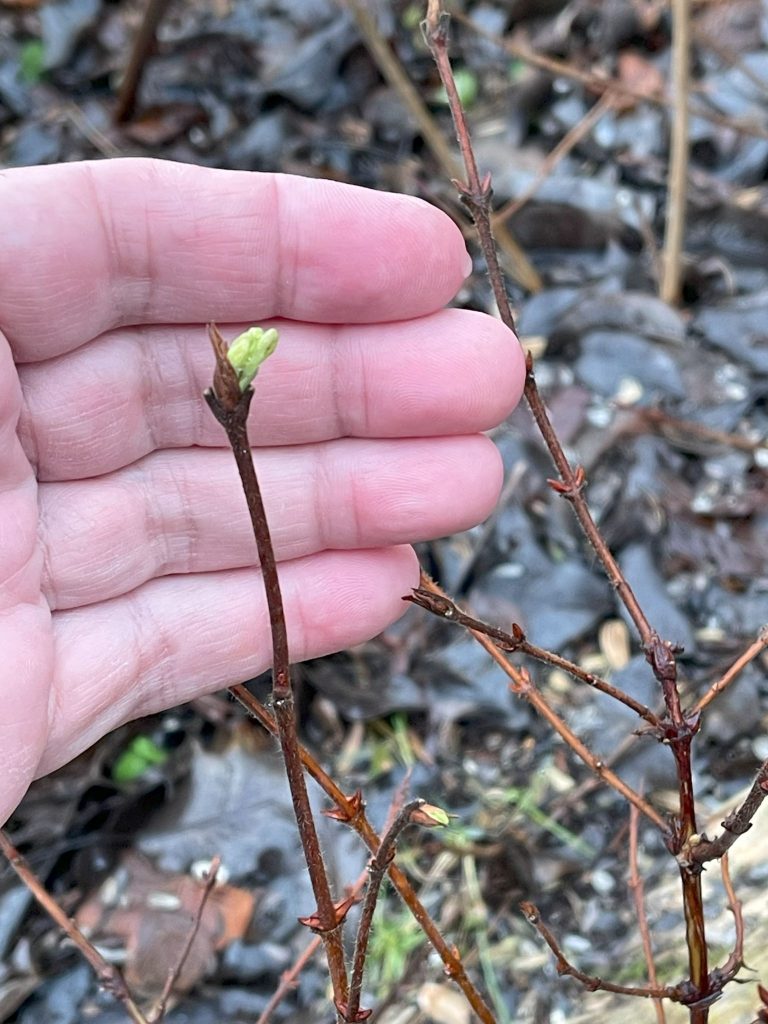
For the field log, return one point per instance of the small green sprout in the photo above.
(466, 86)
(32, 61)
(141, 754)
(394, 936)
(249, 350)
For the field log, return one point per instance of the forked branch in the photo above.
(677, 993)
(445, 608)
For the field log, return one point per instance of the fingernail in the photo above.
(468, 266)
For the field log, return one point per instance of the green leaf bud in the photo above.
(249, 350)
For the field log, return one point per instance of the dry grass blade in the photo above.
(677, 182)
(638, 895)
(393, 71)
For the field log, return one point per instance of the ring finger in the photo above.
(183, 511)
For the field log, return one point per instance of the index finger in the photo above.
(91, 246)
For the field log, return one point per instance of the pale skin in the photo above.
(127, 578)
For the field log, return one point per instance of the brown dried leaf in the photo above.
(152, 913)
(639, 75)
(160, 125)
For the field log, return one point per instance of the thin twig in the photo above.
(755, 648)
(522, 686)
(571, 139)
(677, 181)
(289, 979)
(476, 195)
(395, 74)
(107, 974)
(137, 61)
(443, 607)
(353, 814)
(173, 975)
(677, 993)
(666, 425)
(735, 961)
(629, 741)
(377, 869)
(735, 824)
(638, 895)
(230, 407)
(599, 83)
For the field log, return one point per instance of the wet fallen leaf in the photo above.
(159, 125)
(151, 913)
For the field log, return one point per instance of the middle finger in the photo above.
(137, 390)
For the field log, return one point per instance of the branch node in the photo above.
(355, 805)
(570, 488)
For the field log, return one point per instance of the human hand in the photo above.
(126, 555)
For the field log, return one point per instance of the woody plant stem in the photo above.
(678, 730)
(230, 405)
(355, 816)
(377, 869)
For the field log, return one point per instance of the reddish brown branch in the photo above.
(755, 648)
(289, 978)
(445, 608)
(476, 194)
(108, 975)
(677, 993)
(522, 686)
(680, 729)
(230, 407)
(735, 824)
